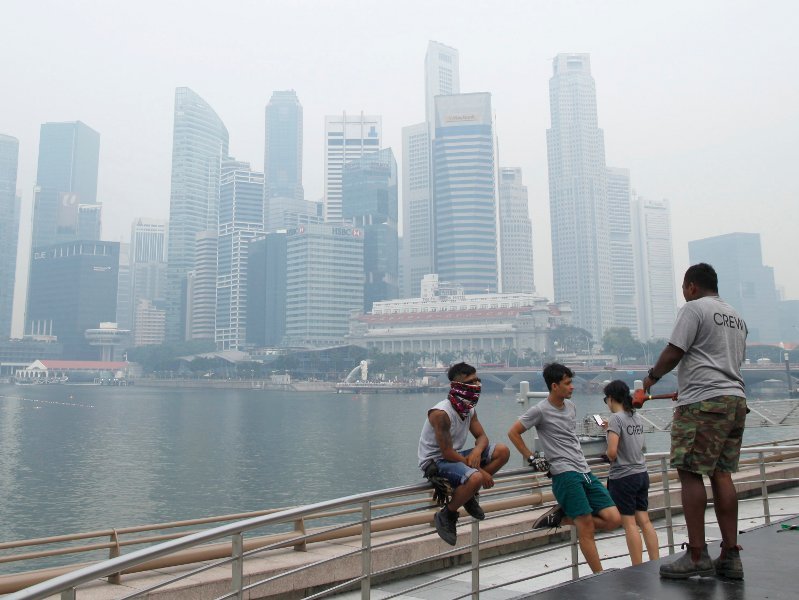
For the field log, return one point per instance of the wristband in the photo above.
(652, 375)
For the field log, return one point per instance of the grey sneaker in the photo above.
(684, 567)
(473, 508)
(549, 519)
(445, 525)
(729, 564)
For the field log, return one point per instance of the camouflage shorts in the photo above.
(706, 436)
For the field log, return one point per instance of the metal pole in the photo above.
(475, 559)
(366, 550)
(237, 566)
(764, 488)
(575, 556)
(787, 357)
(69, 594)
(664, 472)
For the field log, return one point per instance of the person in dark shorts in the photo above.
(442, 450)
(582, 499)
(709, 344)
(628, 480)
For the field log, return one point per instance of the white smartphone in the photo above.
(598, 420)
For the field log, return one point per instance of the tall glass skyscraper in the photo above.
(199, 142)
(9, 229)
(441, 77)
(241, 219)
(66, 180)
(370, 202)
(578, 197)
(622, 269)
(148, 272)
(283, 147)
(465, 241)
(515, 233)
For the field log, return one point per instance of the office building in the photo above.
(654, 268)
(72, 288)
(66, 180)
(9, 230)
(324, 283)
(266, 290)
(744, 281)
(149, 323)
(283, 147)
(241, 219)
(578, 196)
(417, 209)
(369, 201)
(441, 77)
(464, 209)
(289, 213)
(201, 289)
(199, 142)
(622, 269)
(124, 318)
(347, 137)
(515, 233)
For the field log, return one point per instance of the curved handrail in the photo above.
(121, 563)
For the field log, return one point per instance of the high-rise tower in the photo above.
(199, 142)
(9, 229)
(622, 269)
(283, 147)
(578, 196)
(516, 233)
(441, 77)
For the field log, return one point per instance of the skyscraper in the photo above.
(622, 269)
(515, 233)
(283, 147)
(201, 289)
(465, 233)
(66, 180)
(9, 229)
(148, 279)
(241, 219)
(654, 268)
(417, 211)
(199, 142)
(744, 281)
(441, 77)
(266, 289)
(369, 201)
(347, 137)
(124, 318)
(578, 196)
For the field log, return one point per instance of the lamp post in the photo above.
(787, 357)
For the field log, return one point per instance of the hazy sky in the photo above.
(700, 100)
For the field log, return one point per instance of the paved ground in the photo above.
(453, 583)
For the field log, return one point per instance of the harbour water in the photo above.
(81, 458)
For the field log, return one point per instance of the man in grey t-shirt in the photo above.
(582, 499)
(708, 343)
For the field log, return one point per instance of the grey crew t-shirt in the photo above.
(556, 428)
(713, 337)
(630, 454)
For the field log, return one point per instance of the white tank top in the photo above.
(458, 429)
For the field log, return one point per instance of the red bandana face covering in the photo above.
(463, 396)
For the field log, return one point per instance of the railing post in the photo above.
(237, 565)
(664, 473)
(475, 546)
(113, 552)
(366, 550)
(299, 527)
(69, 594)
(764, 487)
(575, 556)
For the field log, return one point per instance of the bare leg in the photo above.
(725, 503)
(498, 459)
(465, 491)
(585, 535)
(694, 502)
(649, 534)
(607, 519)
(633, 538)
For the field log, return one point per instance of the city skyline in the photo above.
(624, 86)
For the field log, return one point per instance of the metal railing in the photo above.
(383, 521)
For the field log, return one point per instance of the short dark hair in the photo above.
(620, 392)
(704, 276)
(460, 368)
(554, 373)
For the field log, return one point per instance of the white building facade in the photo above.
(622, 268)
(515, 233)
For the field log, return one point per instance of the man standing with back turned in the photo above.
(708, 342)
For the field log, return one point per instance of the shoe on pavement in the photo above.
(550, 519)
(473, 508)
(684, 567)
(729, 564)
(445, 525)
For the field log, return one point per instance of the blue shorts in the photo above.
(631, 493)
(580, 493)
(458, 472)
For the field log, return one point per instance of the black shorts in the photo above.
(630, 493)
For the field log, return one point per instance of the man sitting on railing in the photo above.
(582, 499)
(442, 453)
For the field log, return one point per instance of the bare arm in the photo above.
(667, 360)
(613, 445)
(441, 425)
(515, 436)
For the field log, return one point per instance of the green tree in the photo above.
(619, 341)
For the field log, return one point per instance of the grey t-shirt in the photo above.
(713, 337)
(429, 450)
(630, 454)
(556, 429)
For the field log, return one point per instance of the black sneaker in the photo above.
(473, 508)
(550, 519)
(445, 525)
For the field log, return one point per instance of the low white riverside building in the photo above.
(445, 319)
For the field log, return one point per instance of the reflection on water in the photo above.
(81, 458)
